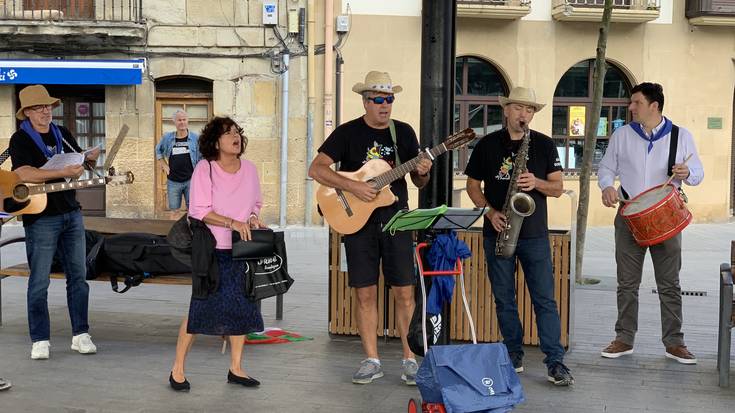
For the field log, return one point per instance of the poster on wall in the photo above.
(82, 109)
(576, 120)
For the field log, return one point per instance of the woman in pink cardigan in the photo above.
(225, 195)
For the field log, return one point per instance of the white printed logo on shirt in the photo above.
(180, 148)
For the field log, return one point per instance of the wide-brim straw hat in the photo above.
(376, 82)
(522, 95)
(32, 96)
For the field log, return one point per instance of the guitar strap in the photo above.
(392, 127)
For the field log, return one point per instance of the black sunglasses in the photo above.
(378, 100)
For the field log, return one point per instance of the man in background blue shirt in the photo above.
(177, 154)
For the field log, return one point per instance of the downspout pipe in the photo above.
(310, 110)
(284, 142)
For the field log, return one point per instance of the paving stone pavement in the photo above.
(136, 334)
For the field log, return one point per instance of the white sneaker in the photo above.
(83, 344)
(39, 351)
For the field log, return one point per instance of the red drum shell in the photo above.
(659, 221)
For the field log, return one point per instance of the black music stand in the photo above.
(433, 221)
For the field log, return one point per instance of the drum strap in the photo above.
(672, 148)
(673, 143)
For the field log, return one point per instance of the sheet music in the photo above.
(88, 151)
(62, 160)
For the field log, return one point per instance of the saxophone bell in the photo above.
(522, 204)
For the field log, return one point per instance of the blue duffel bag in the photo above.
(470, 378)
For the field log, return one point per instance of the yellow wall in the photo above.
(694, 65)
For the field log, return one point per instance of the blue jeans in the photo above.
(175, 191)
(535, 257)
(43, 237)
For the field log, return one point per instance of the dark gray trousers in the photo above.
(666, 258)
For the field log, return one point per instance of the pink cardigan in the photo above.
(232, 195)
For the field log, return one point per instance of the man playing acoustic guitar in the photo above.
(375, 136)
(58, 226)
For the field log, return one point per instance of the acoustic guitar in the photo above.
(346, 213)
(23, 198)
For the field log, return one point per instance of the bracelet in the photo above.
(253, 214)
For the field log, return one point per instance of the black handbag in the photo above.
(267, 277)
(261, 244)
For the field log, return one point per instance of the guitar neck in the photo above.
(4, 156)
(401, 170)
(66, 186)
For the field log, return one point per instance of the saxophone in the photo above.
(518, 204)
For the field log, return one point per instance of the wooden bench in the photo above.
(112, 226)
(727, 273)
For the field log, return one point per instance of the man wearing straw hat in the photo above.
(643, 154)
(59, 226)
(375, 136)
(491, 166)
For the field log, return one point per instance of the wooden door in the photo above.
(199, 110)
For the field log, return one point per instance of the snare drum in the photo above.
(656, 215)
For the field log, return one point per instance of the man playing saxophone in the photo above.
(514, 187)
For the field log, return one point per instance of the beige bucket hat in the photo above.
(376, 82)
(32, 96)
(522, 95)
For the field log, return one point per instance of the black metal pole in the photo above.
(437, 94)
(437, 108)
(338, 89)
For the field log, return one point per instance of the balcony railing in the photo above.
(624, 11)
(509, 3)
(494, 9)
(617, 4)
(130, 11)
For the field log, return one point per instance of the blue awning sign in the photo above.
(72, 72)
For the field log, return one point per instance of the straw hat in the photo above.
(522, 95)
(376, 82)
(32, 96)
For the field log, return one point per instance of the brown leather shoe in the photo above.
(681, 354)
(616, 349)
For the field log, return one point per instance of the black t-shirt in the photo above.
(492, 162)
(179, 162)
(354, 143)
(23, 151)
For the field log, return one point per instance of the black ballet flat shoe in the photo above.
(245, 381)
(183, 386)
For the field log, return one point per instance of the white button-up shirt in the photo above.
(627, 157)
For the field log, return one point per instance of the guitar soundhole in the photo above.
(20, 193)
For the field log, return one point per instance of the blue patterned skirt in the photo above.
(227, 312)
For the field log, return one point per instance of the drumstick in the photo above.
(672, 175)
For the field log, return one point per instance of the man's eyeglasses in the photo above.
(40, 108)
(378, 100)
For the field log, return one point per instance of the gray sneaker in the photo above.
(369, 371)
(410, 367)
